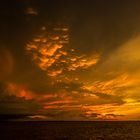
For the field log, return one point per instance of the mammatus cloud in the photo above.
(50, 51)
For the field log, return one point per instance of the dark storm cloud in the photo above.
(65, 115)
(92, 115)
(80, 115)
(10, 104)
(15, 105)
(113, 115)
(106, 24)
(98, 116)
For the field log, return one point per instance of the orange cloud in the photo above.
(46, 51)
(51, 107)
(50, 54)
(55, 73)
(109, 86)
(60, 102)
(83, 62)
(19, 91)
(31, 11)
(41, 117)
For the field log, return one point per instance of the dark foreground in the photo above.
(70, 130)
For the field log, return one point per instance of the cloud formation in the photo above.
(52, 54)
(68, 96)
(63, 64)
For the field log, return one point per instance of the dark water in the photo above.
(70, 130)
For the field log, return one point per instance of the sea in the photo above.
(70, 130)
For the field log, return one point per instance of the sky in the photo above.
(70, 60)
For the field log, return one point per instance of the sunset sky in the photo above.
(70, 59)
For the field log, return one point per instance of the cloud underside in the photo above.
(51, 53)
